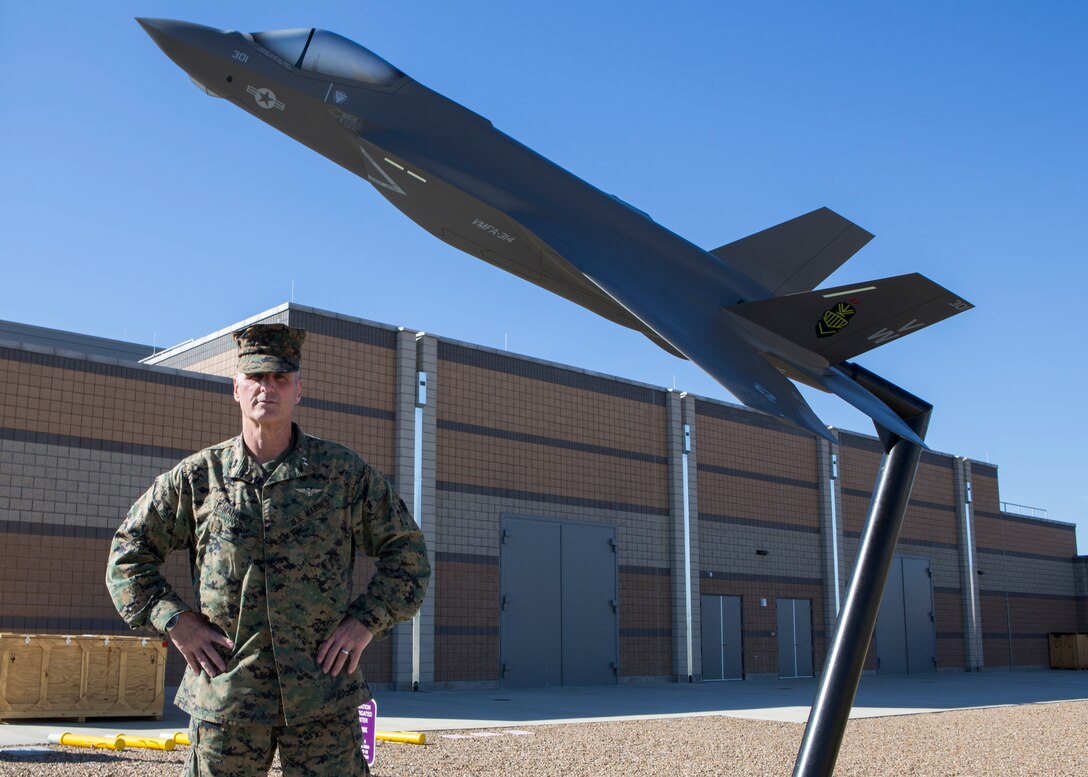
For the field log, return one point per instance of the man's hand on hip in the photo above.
(344, 647)
(196, 642)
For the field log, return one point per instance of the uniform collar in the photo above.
(296, 464)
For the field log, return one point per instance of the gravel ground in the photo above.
(1036, 740)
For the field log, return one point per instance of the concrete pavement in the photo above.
(782, 700)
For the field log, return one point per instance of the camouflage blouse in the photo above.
(271, 559)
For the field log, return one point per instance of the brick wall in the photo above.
(505, 435)
(524, 438)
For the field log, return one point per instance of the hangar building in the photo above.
(583, 528)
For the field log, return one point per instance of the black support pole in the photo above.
(846, 657)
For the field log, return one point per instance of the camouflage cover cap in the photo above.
(269, 348)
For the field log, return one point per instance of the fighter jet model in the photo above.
(746, 312)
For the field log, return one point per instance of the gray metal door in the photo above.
(723, 658)
(559, 621)
(530, 640)
(589, 604)
(891, 625)
(918, 616)
(906, 636)
(794, 637)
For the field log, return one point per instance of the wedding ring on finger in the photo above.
(345, 652)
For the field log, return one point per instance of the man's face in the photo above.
(268, 397)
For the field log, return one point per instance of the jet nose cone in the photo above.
(168, 33)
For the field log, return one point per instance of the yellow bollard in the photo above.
(148, 743)
(79, 740)
(179, 737)
(404, 737)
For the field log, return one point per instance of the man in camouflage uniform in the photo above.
(271, 521)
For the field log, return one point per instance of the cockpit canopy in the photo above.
(329, 54)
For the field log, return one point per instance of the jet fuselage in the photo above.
(452, 172)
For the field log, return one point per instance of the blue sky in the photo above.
(137, 208)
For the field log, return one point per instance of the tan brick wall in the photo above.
(81, 439)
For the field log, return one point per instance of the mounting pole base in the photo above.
(876, 549)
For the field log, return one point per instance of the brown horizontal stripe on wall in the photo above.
(630, 569)
(941, 461)
(157, 375)
(1015, 635)
(758, 522)
(525, 368)
(529, 496)
(64, 625)
(913, 502)
(466, 558)
(932, 505)
(1027, 519)
(985, 470)
(344, 329)
(92, 444)
(1024, 554)
(854, 535)
(949, 635)
(760, 476)
(747, 417)
(554, 442)
(945, 589)
(341, 407)
(141, 449)
(1026, 595)
(847, 440)
(58, 530)
(660, 633)
(468, 631)
(731, 576)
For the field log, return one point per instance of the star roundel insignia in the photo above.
(265, 97)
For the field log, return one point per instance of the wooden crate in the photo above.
(59, 676)
(1068, 651)
(1056, 643)
(1079, 650)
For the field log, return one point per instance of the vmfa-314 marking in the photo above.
(745, 312)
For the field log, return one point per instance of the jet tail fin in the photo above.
(797, 254)
(843, 322)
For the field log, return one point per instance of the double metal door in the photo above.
(905, 631)
(794, 637)
(723, 655)
(559, 621)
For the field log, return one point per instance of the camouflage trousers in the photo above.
(330, 746)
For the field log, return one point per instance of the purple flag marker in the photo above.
(368, 722)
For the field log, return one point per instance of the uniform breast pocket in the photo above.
(230, 543)
(228, 529)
